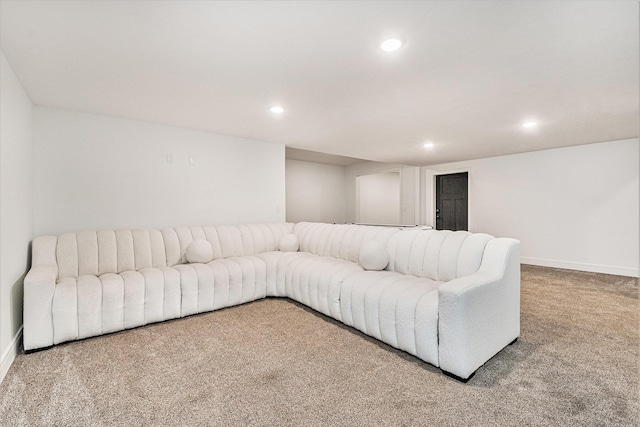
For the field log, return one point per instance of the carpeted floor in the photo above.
(277, 363)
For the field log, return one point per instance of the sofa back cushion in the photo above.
(226, 240)
(115, 251)
(108, 251)
(341, 241)
(436, 254)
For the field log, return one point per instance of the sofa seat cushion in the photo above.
(244, 280)
(277, 263)
(221, 283)
(316, 280)
(398, 309)
(93, 305)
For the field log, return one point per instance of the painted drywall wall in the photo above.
(315, 192)
(379, 198)
(574, 207)
(16, 138)
(98, 172)
(409, 189)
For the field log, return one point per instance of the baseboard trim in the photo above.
(10, 354)
(594, 268)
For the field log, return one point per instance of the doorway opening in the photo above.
(452, 201)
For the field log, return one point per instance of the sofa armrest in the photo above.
(39, 285)
(480, 314)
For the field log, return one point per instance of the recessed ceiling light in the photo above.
(428, 145)
(391, 44)
(276, 109)
(530, 125)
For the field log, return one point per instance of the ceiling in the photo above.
(469, 74)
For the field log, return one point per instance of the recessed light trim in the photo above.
(531, 124)
(428, 145)
(276, 109)
(391, 44)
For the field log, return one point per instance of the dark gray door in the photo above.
(452, 201)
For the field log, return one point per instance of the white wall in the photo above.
(574, 207)
(315, 192)
(409, 190)
(98, 172)
(16, 117)
(379, 198)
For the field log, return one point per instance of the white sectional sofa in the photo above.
(450, 298)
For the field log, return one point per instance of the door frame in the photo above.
(431, 214)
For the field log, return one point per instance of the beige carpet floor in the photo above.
(276, 363)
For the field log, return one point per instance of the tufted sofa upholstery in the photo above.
(450, 298)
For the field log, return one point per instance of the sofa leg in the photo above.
(457, 378)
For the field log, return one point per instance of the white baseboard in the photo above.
(10, 354)
(594, 268)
